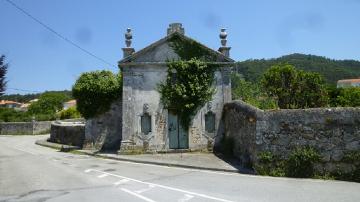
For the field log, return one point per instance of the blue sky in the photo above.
(257, 29)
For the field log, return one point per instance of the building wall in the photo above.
(331, 131)
(140, 96)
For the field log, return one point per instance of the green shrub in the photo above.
(269, 164)
(70, 113)
(301, 163)
(11, 115)
(95, 91)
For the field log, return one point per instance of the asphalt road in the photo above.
(29, 172)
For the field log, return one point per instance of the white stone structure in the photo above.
(146, 124)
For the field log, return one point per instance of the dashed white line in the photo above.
(144, 190)
(162, 186)
(137, 195)
(123, 181)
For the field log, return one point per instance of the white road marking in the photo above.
(137, 195)
(121, 182)
(144, 190)
(88, 170)
(103, 175)
(162, 186)
(186, 197)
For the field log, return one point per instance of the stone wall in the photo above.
(25, 128)
(69, 133)
(104, 132)
(331, 131)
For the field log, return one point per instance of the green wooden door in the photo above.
(178, 136)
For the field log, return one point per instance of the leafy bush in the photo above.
(270, 165)
(301, 163)
(95, 91)
(188, 87)
(70, 113)
(10, 115)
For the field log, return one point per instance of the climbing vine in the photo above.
(188, 49)
(188, 86)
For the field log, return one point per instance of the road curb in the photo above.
(67, 148)
(156, 163)
(61, 147)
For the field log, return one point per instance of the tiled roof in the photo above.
(71, 102)
(4, 102)
(349, 81)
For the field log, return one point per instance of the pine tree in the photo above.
(3, 70)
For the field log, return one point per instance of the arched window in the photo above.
(210, 122)
(146, 123)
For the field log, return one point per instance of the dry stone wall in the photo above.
(333, 132)
(25, 128)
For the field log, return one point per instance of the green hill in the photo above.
(332, 70)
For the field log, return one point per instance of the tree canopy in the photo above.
(95, 91)
(294, 88)
(331, 70)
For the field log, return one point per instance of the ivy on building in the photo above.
(187, 49)
(188, 87)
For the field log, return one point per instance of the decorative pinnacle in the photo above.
(223, 36)
(175, 27)
(128, 37)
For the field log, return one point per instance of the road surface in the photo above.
(29, 172)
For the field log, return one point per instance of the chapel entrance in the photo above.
(178, 136)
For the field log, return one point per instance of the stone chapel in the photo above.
(138, 121)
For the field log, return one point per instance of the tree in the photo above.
(3, 70)
(349, 97)
(294, 88)
(48, 103)
(95, 91)
(251, 93)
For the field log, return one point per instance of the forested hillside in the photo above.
(332, 70)
(27, 97)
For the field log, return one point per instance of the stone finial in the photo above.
(224, 49)
(175, 27)
(128, 37)
(223, 36)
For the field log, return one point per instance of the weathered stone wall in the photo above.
(331, 131)
(104, 132)
(69, 133)
(25, 128)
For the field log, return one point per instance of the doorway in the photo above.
(178, 136)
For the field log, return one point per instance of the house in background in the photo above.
(139, 121)
(348, 83)
(9, 104)
(68, 104)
